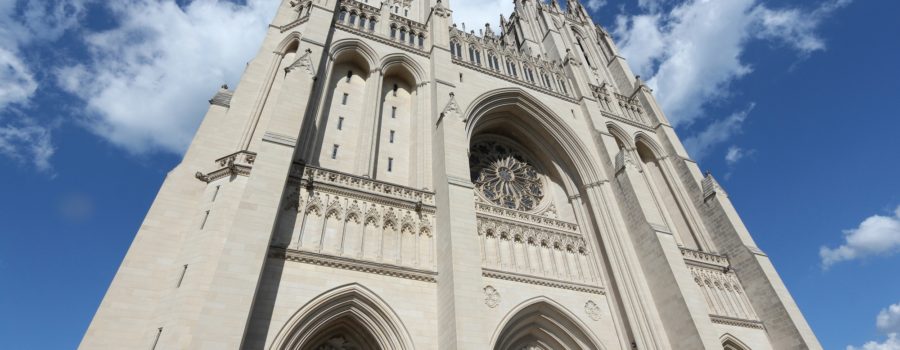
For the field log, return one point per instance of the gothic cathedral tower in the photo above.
(382, 179)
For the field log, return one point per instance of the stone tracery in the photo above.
(504, 177)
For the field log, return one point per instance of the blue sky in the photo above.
(792, 104)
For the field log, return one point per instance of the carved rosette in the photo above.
(592, 310)
(491, 297)
(504, 177)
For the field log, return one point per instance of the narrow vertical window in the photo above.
(216, 193)
(342, 15)
(460, 78)
(181, 278)
(334, 150)
(392, 136)
(406, 13)
(344, 99)
(205, 217)
(352, 18)
(362, 22)
(421, 40)
(395, 90)
(393, 31)
(349, 75)
(372, 23)
(340, 123)
(390, 164)
(393, 112)
(156, 339)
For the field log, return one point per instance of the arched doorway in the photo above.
(349, 317)
(542, 324)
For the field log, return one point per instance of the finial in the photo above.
(224, 86)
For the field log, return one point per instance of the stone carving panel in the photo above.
(534, 251)
(333, 214)
(720, 286)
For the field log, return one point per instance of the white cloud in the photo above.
(876, 235)
(888, 320)
(148, 78)
(719, 131)
(891, 343)
(691, 54)
(475, 13)
(594, 5)
(27, 143)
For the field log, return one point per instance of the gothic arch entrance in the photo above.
(542, 324)
(349, 317)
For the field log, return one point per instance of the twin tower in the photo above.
(382, 179)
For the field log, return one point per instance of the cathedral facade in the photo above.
(381, 178)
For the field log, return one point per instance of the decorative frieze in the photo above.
(504, 214)
(363, 188)
(728, 321)
(703, 259)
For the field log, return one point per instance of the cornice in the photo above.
(547, 282)
(353, 264)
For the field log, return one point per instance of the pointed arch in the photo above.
(354, 49)
(290, 42)
(620, 135)
(730, 342)
(403, 62)
(537, 118)
(543, 322)
(352, 312)
(646, 140)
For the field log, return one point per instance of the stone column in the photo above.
(681, 306)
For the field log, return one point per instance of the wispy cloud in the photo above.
(24, 24)
(27, 143)
(876, 235)
(717, 132)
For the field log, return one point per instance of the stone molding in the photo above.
(353, 264)
(519, 217)
(222, 97)
(238, 163)
(703, 259)
(363, 188)
(541, 281)
(737, 322)
(280, 139)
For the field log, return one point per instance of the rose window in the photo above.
(504, 177)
